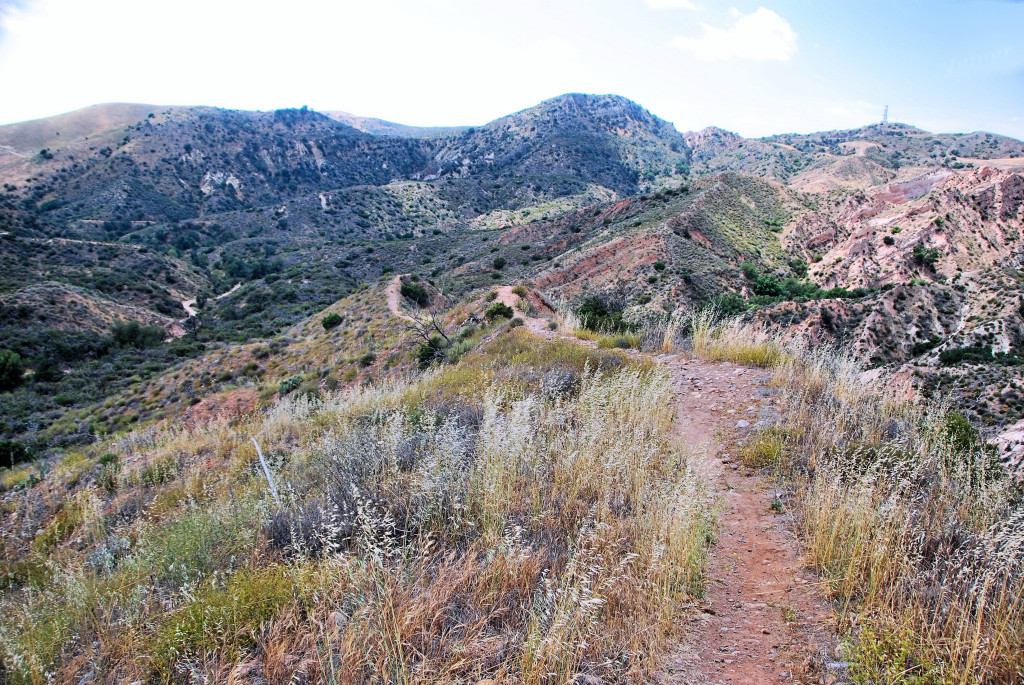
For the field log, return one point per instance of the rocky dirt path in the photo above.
(536, 324)
(761, 620)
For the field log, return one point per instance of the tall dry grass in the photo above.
(917, 532)
(521, 516)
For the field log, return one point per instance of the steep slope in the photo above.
(861, 157)
(582, 194)
(30, 147)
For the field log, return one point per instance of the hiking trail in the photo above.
(761, 619)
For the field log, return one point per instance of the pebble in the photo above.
(743, 423)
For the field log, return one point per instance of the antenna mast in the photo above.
(885, 116)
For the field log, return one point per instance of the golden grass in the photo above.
(734, 341)
(522, 516)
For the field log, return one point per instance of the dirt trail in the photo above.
(761, 620)
(534, 324)
(190, 305)
(394, 293)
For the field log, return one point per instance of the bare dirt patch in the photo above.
(222, 406)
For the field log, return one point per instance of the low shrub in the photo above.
(332, 320)
(499, 310)
(13, 452)
(416, 293)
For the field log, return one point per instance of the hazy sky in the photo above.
(760, 67)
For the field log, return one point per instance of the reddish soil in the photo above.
(226, 405)
(761, 619)
(534, 323)
(619, 258)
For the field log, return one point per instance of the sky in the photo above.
(756, 68)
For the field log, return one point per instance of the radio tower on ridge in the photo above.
(885, 116)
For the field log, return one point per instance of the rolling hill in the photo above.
(125, 211)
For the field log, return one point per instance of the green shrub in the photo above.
(926, 346)
(962, 435)
(134, 334)
(620, 342)
(499, 263)
(516, 322)
(289, 384)
(728, 305)
(979, 353)
(659, 265)
(332, 320)
(597, 315)
(926, 256)
(434, 350)
(12, 369)
(499, 310)
(888, 240)
(159, 472)
(224, 620)
(415, 293)
(12, 452)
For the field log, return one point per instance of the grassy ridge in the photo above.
(519, 515)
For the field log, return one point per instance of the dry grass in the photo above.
(733, 340)
(917, 532)
(520, 516)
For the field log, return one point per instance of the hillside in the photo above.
(570, 396)
(584, 195)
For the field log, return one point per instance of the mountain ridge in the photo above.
(582, 194)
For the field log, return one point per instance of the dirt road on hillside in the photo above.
(761, 620)
(534, 324)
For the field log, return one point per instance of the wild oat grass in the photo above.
(733, 340)
(537, 526)
(916, 530)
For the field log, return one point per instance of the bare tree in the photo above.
(428, 328)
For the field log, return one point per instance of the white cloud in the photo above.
(672, 5)
(762, 35)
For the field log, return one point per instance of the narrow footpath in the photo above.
(761, 619)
